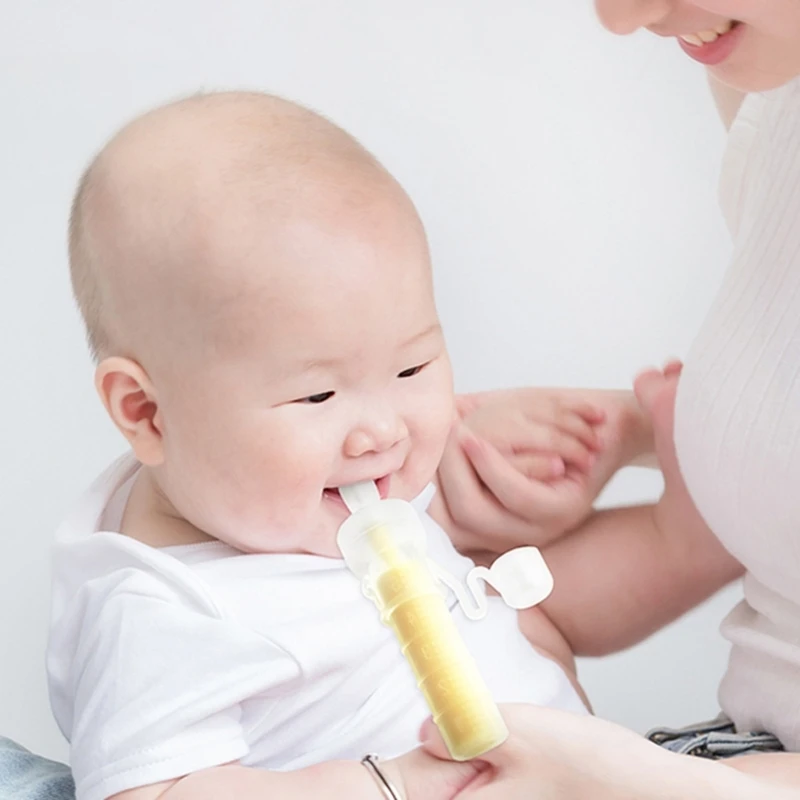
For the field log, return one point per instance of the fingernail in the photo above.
(557, 467)
(471, 442)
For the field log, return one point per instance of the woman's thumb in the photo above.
(646, 387)
(431, 740)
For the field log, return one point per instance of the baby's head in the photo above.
(257, 292)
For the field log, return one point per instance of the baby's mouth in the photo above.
(382, 483)
(332, 494)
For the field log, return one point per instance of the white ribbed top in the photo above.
(738, 413)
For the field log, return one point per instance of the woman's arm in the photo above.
(555, 755)
(781, 767)
(628, 572)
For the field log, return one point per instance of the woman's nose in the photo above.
(627, 16)
(376, 434)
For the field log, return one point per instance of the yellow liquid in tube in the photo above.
(413, 607)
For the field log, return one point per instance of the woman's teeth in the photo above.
(706, 37)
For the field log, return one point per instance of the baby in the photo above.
(257, 293)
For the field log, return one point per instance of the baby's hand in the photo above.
(517, 468)
(541, 435)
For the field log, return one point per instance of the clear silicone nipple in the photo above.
(358, 495)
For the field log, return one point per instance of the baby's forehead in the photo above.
(218, 209)
(301, 275)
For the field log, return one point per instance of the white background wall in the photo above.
(567, 179)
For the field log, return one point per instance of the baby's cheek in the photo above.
(442, 416)
(428, 443)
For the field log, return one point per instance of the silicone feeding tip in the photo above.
(358, 495)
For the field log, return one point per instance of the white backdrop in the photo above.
(567, 179)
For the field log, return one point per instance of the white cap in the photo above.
(521, 577)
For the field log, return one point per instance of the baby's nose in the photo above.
(375, 435)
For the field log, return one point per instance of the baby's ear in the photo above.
(130, 399)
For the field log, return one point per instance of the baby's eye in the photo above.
(316, 399)
(411, 371)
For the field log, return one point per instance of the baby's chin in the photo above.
(316, 533)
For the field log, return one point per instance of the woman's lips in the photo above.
(716, 51)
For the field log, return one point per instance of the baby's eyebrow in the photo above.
(434, 327)
(311, 364)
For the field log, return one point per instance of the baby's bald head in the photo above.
(165, 217)
(257, 290)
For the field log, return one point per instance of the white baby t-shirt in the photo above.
(163, 662)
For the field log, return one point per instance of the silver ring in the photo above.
(387, 788)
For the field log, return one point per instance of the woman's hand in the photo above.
(524, 466)
(556, 755)
(422, 775)
(656, 390)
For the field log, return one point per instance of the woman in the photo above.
(737, 436)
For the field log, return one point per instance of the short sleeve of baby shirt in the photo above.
(147, 679)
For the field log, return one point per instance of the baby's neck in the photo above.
(151, 519)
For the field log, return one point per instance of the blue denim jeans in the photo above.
(716, 740)
(25, 776)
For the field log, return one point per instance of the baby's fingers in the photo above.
(593, 414)
(547, 439)
(581, 427)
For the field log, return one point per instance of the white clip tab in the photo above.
(520, 577)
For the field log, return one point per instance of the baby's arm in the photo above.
(328, 781)
(417, 775)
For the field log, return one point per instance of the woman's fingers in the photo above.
(539, 467)
(531, 500)
(651, 383)
(481, 520)
(647, 386)
(422, 776)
